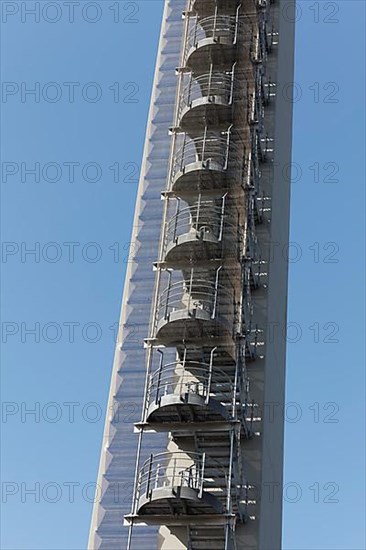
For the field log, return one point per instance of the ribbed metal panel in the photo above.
(116, 473)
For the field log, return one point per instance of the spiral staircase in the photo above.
(203, 336)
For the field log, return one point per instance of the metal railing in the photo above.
(212, 149)
(202, 219)
(213, 86)
(171, 469)
(189, 377)
(199, 5)
(217, 27)
(198, 293)
(179, 469)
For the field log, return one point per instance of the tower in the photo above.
(193, 448)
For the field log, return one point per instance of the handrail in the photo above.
(211, 147)
(149, 475)
(162, 468)
(208, 214)
(210, 374)
(159, 376)
(237, 24)
(228, 145)
(216, 292)
(209, 296)
(201, 371)
(223, 217)
(213, 27)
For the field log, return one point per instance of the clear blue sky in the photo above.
(325, 446)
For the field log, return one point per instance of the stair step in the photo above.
(205, 545)
(207, 538)
(204, 536)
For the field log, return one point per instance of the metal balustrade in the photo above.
(172, 470)
(196, 305)
(202, 163)
(210, 148)
(205, 229)
(190, 389)
(212, 38)
(199, 390)
(207, 7)
(170, 478)
(207, 97)
(198, 292)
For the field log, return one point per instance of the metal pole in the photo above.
(214, 24)
(222, 216)
(176, 219)
(200, 492)
(232, 84)
(149, 476)
(204, 145)
(167, 297)
(198, 211)
(216, 292)
(190, 291)
(227, 147)
(210, 375)
(209, 81)
(184, 370)
(157, 397)
(236, 25)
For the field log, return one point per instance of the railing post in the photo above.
(227, 147)
(167, 295)
(236, 24)
(209, 81)
(157, 397)
(222, 216)
(214, 24)
(210, 375)
(174, 468)
(204, 146)
(176, 219)
(157, 476)
(216, 292)
(184, 371)
(189, 90)
(195, 32)
(183, 152)
(149, 476)
(230, 473)
(147, 397)
(190, 291)
(231, 98)
(198, 211)
(190, 477)
(202, 476)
